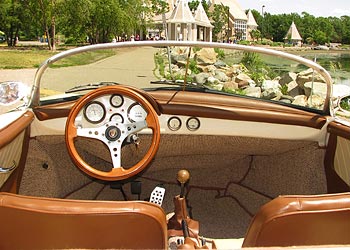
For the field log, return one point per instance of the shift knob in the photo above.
(183, 176)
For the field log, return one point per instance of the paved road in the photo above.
(131, 66)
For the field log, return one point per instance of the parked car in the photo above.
(166, 144)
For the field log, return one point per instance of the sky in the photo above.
(324, 8)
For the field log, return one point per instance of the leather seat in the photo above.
(46, 223)
(301, 221)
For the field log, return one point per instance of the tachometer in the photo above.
(136, 113)
(94, 112)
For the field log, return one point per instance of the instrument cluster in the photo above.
(114, 108)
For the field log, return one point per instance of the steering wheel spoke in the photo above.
(94, 133)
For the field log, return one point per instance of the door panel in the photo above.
(337, 160)
(13, 148)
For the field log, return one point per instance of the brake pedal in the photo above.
(157, 195)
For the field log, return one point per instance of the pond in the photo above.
(337, 63)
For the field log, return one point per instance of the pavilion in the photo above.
(293, 36)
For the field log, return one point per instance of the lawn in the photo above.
(19, 59)
(32, 58)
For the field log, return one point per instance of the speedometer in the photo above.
(94, 112)
(136, 113)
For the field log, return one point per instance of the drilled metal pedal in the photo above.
(157, 195)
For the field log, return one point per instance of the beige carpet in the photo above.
(231, 177)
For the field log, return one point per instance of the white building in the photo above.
(184, 25)
(293, 35)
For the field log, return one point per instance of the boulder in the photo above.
(242, 80)
(308, 76)
(319, 88)
(293, 88)
(201, 78)
(300, 100)
(271, 90)
(221, 76)
(212, 80)
(253, 92)
(220, 64)
(287, 78)
(315, 101)
(206, 56)
(230, 86)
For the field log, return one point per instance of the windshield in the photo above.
(209, 67)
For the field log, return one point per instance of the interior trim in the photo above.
(13, 129)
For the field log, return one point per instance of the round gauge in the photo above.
(174, 123)
(136, 113)
(116, 100)
(193, 123)
(94, 112)
(118, 118)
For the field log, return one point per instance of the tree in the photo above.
(11, 19)
(220, 20)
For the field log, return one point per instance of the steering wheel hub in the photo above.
(112, 133)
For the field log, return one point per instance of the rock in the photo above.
(308, 76)
(271, 90)
(230, 86)
(242, 80)
(271, 85)
(201, 78)
(206, 56)
(315, 101)
(293, 88)
(220, 64)
(287, 78)
(221, 76)
(218, 86)
(286, 101)
(319, 89)
(207, 68)
(253, 92)
(212, 80)
(175, 58)
(300, 100)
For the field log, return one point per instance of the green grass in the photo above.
(19, 59)
(84, 58)
(24, 58)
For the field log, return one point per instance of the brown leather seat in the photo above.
(45, 223)
(301, 221)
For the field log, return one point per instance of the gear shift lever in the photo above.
(175, 223)
(183, 176)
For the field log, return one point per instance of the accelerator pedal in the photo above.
(157, 195)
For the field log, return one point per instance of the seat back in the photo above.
(46, 223)
(301, 221)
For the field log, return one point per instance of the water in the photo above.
(337, 64)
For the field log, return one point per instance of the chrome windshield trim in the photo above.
(35, 95)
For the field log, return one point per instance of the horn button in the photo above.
(112, 133)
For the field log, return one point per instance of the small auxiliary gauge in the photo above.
(116, 100)
(193, 123)
(94, 112)
(174, 123)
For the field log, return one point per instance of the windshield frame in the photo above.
(35, 94)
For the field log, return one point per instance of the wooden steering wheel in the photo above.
(111, 133)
